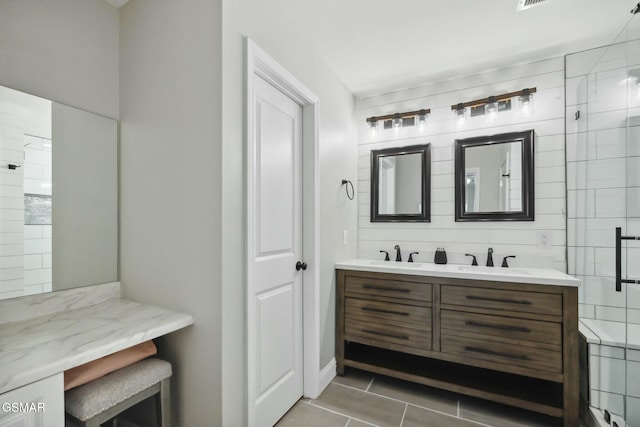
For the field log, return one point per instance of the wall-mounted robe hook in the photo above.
(14, 166)
(348, 183)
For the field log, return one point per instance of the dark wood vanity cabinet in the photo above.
(512, 343)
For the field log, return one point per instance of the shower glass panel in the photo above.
(603, 193)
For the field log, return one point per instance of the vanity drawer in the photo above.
(502, 353)
(388, 288)
(505, 327)
(386, 311)
(371, 333)
(501, 299)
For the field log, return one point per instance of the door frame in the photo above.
(259, 63)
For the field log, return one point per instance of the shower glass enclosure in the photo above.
(603, 193)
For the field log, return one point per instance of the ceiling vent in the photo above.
(528, 4)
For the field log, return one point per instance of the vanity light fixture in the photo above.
(460, 112)
(421, 120)
(492, 105)
(373, 124)
(397, 121)
(491, 109)
(526, 103)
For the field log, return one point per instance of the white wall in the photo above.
(507, 238)
(285, 42)
(63, 50)
(171, 161)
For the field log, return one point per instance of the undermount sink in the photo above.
(393, 264)
(489, 270)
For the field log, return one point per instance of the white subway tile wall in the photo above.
(11, 201)
(25, 250)
(37, 164)
(507, 238)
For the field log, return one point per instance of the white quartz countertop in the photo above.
(38, 347)
(541, 276)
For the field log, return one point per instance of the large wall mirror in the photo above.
(494, 178)
(58, 196)
(401, 184)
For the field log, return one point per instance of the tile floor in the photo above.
(360, 399)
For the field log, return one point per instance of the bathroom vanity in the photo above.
(42, 336)
(506, 335)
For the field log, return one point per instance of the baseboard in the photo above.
(327, 374)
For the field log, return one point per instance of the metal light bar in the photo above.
(402, 115)
(496, 98)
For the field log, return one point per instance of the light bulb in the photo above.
(396, 124)
(491, 109)
(461, 117)
(421, 121)
(373, 124)
(526, 104)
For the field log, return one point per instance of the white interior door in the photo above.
(275, 286)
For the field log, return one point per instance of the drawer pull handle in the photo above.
(385, 334)
(382, 310)
(496, 353)
(503, 327)
(509, 301)
(386, 288)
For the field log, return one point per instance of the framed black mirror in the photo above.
(401, 184)
(494, 177)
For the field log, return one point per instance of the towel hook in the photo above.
(348, 183)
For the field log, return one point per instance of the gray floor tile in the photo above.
(418, 394)
(303, 414)
(358, 404)
(418, 417)
(356, 423)
(498, 415)
(354, 378)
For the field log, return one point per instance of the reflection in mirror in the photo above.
(400, 184)
(494, 178)
(58, 225)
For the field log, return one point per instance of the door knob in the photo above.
(301, 265)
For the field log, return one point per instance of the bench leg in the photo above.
(165, 402)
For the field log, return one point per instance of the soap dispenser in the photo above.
(440, 257)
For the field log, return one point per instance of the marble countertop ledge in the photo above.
(35, 348)
(539, 276)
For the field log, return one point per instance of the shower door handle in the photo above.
(619, 279)
(618, 259)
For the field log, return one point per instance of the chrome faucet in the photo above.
(398, 254)
(490, 257)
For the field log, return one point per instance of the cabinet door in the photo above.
(40, 404)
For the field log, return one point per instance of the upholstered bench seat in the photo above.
(106, 397)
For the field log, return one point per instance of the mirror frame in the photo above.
(425, 216)
(528, 197)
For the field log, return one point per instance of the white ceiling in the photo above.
(375, 46)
